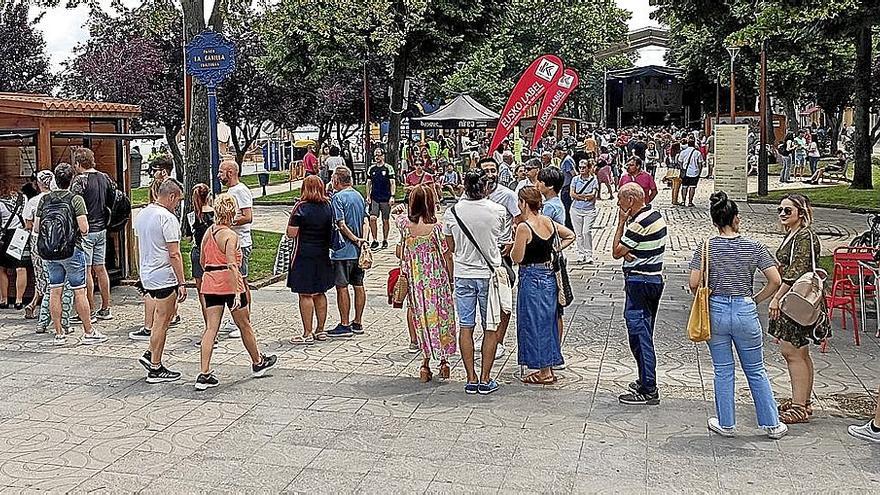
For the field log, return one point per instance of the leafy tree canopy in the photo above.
(24, 64)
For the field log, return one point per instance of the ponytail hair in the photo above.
(722, 210)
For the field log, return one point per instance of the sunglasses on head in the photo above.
(786, 210)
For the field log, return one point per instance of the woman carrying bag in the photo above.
(797, 256)
(731, 264)
(426, 267)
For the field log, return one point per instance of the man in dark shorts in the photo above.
(691, 162)
(381, 186)
(161, 270)
(348, 213)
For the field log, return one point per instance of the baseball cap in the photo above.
(45, 177)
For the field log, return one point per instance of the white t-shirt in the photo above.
(506, 198)
(155, 227)
(333, 162)
(691, 161)
(489, 223)
(30, 211)
(243, 197)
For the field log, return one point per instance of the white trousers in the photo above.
(583, 222)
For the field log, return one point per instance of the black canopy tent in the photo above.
(463, 112)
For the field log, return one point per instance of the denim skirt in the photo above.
(537, 327)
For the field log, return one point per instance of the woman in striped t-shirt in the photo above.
(733, 311)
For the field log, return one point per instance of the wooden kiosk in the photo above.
(37, 132)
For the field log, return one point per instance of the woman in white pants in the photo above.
(584, 187)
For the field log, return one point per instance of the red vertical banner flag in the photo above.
(553, 101)
(541, 74)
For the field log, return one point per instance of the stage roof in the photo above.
(646, 71)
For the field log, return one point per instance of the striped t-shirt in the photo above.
(645, 237)
(732, 264)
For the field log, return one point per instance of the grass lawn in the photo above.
(836, 195)
(293, 196)
(140, 196)
(262, 257)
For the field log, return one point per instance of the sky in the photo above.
(64, 28)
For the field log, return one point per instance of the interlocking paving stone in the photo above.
(351, 417)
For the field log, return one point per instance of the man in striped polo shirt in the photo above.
(640, 240)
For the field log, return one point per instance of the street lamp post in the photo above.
(763, 171)
(733, 51)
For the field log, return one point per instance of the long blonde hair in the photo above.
(804, 206)
(225, 207)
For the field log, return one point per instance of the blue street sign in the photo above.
(210, 58)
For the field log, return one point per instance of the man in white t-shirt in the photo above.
(505, 197)
(244, 217)
(161, 271)
(475, 228)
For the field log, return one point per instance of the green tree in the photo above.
(147, 38)
(574, 31)
(24, 64)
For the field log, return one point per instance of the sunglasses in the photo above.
(784, 210)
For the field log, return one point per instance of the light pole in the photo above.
(733, 51)
(762, 151)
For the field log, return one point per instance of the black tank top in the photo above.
(537, 250)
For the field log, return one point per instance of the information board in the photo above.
(731, 160)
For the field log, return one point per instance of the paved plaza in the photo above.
(351, 417)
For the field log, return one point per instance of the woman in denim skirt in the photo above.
(733, 260)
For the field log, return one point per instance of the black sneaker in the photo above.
(142, 333)
(206, 381)
(19, 306)
(640, 399)
(162, 374)
(357, 328)
(174, 321)
(146, 360)
(263, 366)
(384, 244)
(374, 245)
(634, 386)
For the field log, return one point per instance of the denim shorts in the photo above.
(72, 270)
(469, 292)
(95, 247)
(245, 260)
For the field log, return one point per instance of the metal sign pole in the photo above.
(212, 138)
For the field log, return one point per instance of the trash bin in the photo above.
(264, 180)
(134, 168)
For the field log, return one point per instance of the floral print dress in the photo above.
(794, 260)
(430, 292)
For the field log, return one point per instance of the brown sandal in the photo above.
(425, 374)
(794, 415)
(536, 379)
(444, 369)
(787, 404)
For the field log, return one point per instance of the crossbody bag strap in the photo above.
(706, 263)
(12, 214)
(470, 237)
(592, 178)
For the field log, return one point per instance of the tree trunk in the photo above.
(398, 79)
(198, 154)
(171, 131)
(790, 114)
(836, 118)
(862, 100)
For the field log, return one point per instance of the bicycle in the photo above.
(871, 237)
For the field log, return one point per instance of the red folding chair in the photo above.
(845, 286)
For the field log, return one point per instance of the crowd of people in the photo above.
(504, 234)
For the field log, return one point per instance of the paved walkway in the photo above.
(350, 416)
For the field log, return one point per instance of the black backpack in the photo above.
(120, 211)
(58, 228)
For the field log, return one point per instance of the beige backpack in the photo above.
(803, 302)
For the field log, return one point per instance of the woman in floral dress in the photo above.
(426, 261)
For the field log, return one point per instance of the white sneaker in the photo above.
(229, 325)
(59, 339)
(93, 338)
(499, 351)
(715, 426)
(235, 334)
(864, 432)
(778, 431)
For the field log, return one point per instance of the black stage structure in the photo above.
(650, 95)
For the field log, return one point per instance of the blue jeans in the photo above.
(785, 175)
(643, 294)
(471, 293)
(735, 319)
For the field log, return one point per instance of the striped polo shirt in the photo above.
(645, 236)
